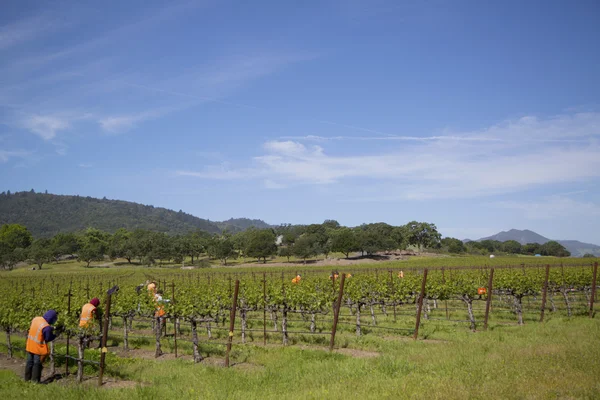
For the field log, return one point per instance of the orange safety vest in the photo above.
(160, 311)
(35, 337)
(87, 313)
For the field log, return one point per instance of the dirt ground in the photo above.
(17, 365)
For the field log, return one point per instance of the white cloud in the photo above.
(120, 123)
(46, 126)
(458, 166)
(84, 165)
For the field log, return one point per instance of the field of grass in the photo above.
(557, 359)
(414, 262)
(554, 359)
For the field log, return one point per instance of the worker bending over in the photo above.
(40, 334)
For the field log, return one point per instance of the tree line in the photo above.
(148, 247)
(551, 248)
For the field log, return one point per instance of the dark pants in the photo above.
(33, 368)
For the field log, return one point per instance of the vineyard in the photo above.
(210, 312)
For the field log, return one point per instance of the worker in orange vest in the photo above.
(40, 333)
(88, 313)
(297, 279)
(160, 313)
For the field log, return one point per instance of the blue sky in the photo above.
(477, 117)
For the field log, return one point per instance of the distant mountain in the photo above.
(241, 224)
(523, 237)
(46, 215)
(576, 247)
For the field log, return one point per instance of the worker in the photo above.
(334, 275)
(400, 274)
(159, 314)
(40, 333)
(297, 279)
(152, 288)
(88, 313)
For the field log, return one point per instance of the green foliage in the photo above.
(47, 215)
(344, 240)
(261, 243)
(306, 246)
(531, 248)
(40, 252)
(15, 236)
(422, 234)
(453, 245)
(555, 249)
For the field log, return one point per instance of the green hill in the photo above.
(47, 214)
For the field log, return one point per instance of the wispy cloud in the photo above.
(25, 30)
(463, 165)
(6, 155)
(83, 165)
(46, 126)
(315, 138)
(120, 123)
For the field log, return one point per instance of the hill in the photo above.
(46, 215)
(577, 248)
(523, 237)
(241, 224)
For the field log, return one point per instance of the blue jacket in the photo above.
(51, 316)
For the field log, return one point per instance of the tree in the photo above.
(261, 243)
(15, 236)
(285, 251)
(512, 247)
(531, 248)
(306, 246)
(121, 245)
(344, 240)
(40, 252)
(64, 243)
(588, 255)
(331, 224)
(490, 245)
(93, 246)
(453, 245)
(221, 247)
(422, 234)
(555, 249)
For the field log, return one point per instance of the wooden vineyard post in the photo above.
(68, 313)
(421, 295)
(445, 301)
(232, 321)
(544, 293)
(336, 313)
(488, 301)
(392, 293)
(264, 308)
(594, 282)
(105, 333)
(174, 320)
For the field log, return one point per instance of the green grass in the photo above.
(557, 359)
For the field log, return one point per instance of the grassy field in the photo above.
(557, 359)
(282, 264)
